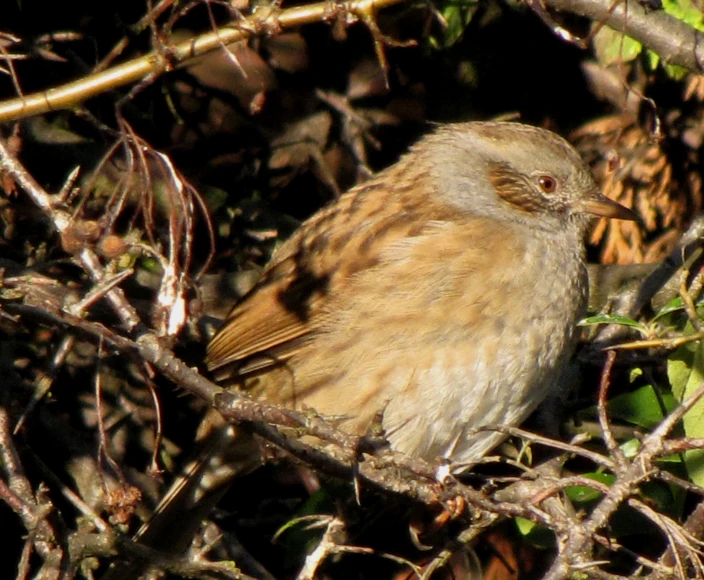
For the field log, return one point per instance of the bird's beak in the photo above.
(600, 205)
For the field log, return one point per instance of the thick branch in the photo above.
(675, 41)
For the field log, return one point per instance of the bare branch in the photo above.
(675, 41)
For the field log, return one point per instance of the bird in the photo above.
(444, 292)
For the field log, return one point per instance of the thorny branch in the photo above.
(261, 22)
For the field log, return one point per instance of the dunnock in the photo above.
(445, 291)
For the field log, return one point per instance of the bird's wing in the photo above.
(288, 304)
(271, 320)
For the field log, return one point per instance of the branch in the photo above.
(673, 40)
(264, 21)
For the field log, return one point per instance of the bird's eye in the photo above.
(547, 183)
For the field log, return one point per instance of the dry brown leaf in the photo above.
(643, 179)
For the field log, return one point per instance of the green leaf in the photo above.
(612, 47)
(644, 407)
(584, 493)
(676, 72)
(150, 265)
(524, 526)
(631, 448)
(653, 60)
(537, 535)
(457, 15)
(685, 369)
(214, 197)
(614, 319)
(673, 305)
(56, 132)
(686, 11)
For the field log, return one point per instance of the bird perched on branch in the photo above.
(445, 290)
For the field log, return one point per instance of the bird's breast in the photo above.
(450, 331)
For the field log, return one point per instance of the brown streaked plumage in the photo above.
(446, 290)
(450, 277)
(512, 187)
